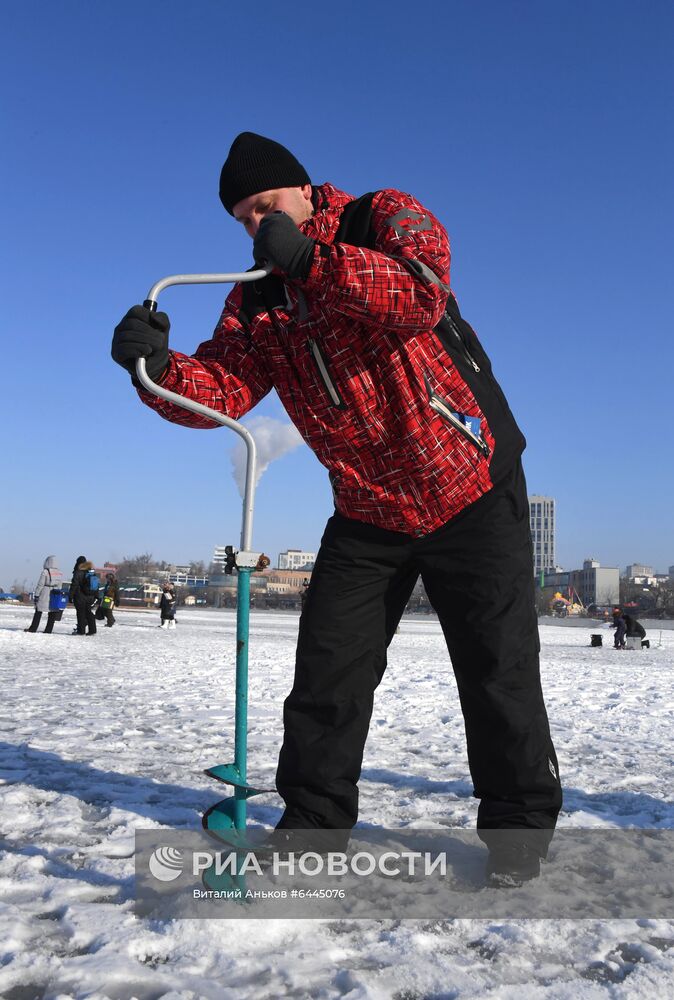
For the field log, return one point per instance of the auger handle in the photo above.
(201, 279)
(206, 411)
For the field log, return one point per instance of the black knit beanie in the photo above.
(257, 164)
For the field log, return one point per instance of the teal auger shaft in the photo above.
(241, 697)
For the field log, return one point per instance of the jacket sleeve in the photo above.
(40, 585)
(225, 373)
(403, 283)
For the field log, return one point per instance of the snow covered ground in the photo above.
(101, 735)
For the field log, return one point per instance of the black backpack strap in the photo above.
(355, 224)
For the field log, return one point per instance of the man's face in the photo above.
(294, 201)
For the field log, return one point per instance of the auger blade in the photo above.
(220, 816)
(229, 774)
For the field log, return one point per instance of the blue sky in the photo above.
(540, 134)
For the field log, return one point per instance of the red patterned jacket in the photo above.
(407, 418)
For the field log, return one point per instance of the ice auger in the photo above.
(230, 814)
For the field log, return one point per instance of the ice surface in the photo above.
(101, 735)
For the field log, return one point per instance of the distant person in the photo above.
(50, 579)
(83, 595)
(167, 606)
(303, 593)
(635, 630)
(620, 626)
(109, 600)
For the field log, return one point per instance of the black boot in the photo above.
(510, 864)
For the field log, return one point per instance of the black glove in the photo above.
(278, 241)
(142, 334)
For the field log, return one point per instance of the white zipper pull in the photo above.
(325, 375)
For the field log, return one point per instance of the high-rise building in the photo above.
(542, 522)
(295, 559)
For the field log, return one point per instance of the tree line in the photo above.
(145, 564)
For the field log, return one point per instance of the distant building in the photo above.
(182, 579)
(638, 570)
(284, 585)
(286, 581)
(102, 572)
(596, 584)
(295, 559)
(223, 582)
(557, 579)
(542, 523)
(146, 595)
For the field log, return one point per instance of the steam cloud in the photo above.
(274, 438)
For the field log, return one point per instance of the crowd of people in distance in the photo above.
(92, 602)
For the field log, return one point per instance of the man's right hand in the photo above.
(142, 334)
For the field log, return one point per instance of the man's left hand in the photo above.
(279, 242)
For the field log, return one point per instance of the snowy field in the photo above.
(101, 735)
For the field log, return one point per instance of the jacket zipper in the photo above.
(283, 337)
(442, 407)
(324, 373)
(464, 350)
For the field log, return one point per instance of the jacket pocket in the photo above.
(468, 427)
(324, 374)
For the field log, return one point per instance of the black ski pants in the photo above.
(52, 616)
(85, 615)
(478, 574)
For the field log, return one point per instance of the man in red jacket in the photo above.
(359, 334)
